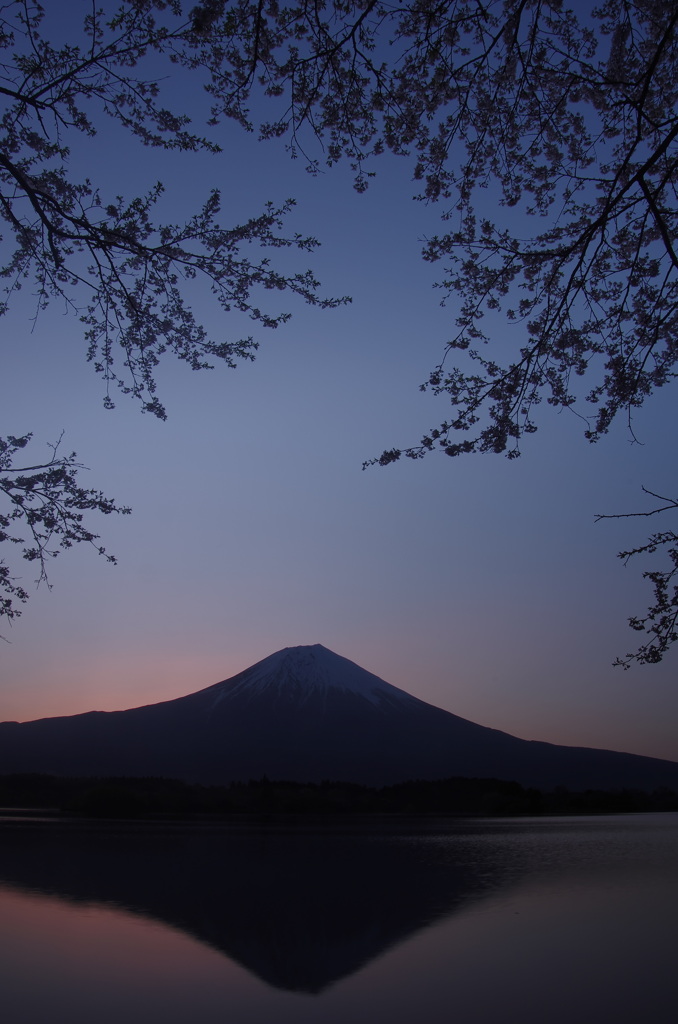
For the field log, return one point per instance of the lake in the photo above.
(394, 920)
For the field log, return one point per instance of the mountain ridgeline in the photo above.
(307, 714)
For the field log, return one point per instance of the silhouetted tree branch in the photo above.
(46, 509)
(550, 138)
(661, 619)
(123, 272)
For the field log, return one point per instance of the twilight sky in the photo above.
(481, 585)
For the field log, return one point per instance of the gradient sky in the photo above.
(481, 585)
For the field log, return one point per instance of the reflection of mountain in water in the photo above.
(300, 909)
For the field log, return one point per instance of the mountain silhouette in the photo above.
(308, 714)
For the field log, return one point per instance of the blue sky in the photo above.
(481, 585)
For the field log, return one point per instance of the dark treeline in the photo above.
(149, 797)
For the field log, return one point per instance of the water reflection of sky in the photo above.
(584, 933)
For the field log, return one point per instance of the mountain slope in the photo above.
(306, 713)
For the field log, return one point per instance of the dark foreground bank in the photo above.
(148, 797)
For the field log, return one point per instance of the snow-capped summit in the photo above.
(300, 673)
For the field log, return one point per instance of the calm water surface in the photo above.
(538, 921)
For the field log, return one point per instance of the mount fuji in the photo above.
(307, 714)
